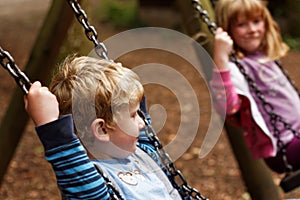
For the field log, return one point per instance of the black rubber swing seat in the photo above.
(290, 181)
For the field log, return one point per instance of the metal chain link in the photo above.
(115, 195)
(178, 178)
(203, 14)
(268, 108)
(8, 63)
(90, 31)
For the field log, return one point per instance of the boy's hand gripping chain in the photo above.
(8, 63)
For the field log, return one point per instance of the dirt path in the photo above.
(30, 177)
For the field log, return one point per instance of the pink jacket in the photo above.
(232, 97)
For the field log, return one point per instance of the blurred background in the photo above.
(217, 176)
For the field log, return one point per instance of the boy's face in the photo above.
(126, 132)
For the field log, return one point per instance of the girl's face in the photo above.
(126, 132)
(248, 33)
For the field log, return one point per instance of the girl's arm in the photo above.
(226, 100)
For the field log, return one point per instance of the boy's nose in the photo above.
(141, 122)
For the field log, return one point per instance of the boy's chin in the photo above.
(109, 151)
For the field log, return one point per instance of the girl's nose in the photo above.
(251, 26)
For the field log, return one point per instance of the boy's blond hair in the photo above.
(227, 11)
(84, 85)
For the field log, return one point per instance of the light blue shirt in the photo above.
(139, 177)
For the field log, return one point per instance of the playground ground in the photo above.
(30, 177)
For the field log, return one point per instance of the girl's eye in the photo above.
(258, 20)
(241, 24)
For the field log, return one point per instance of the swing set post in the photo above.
(256, 175)
(39, 67)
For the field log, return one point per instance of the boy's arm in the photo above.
(76, 175)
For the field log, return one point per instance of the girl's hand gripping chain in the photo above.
(223, 46)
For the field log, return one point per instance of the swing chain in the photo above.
(181, 185)
(8, 63)
(114, 193)
(90, 31)
(203, 14)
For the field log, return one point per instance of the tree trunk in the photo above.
(40, 64)
(256, 175)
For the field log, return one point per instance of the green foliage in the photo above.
(293, 43)
(121, 13)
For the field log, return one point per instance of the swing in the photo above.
(291, 179)
(148, 141)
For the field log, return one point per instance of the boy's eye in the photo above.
(133, 115)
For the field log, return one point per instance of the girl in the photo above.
(247, 28)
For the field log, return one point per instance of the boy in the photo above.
(103, 98)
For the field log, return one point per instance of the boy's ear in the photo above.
(99, 130)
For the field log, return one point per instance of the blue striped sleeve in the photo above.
(76, 175)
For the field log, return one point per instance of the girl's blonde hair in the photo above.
(228, 11)
(85, 85)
